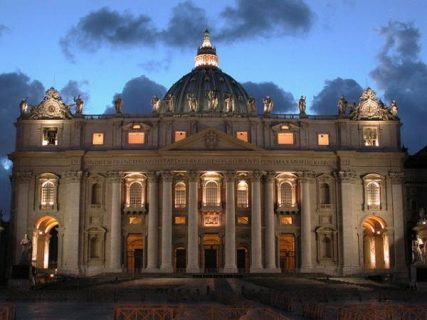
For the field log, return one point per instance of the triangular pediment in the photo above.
(211, 139)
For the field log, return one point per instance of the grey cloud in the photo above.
(137, 94)
(403, 77)
(283, 101)
(326, 101)
(256, 18)
(13, 87)
(73, 89)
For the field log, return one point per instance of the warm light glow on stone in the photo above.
(206, 60)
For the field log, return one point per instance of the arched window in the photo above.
(96, 193)
(48, 194)
(286, 199)
(325, 194)
(242, 194)
(373, 195)
(135, 195)
(180, 195)
(211, 188)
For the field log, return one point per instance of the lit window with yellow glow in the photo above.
(286, 220)
(136, 137)
(135, 220)
(211, 220)
(242, 135)
(180, 135)
(370, 137)
(97, 138)
(50, 136)
(242, 194)
(243, 220)
(180, 220)
(285, 138)
(323, 139)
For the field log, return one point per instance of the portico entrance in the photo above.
(135, 252)
(287, 252)
(45, 240)
(211, 246)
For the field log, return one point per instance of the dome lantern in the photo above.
(206, 54)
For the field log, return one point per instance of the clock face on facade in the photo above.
(368, 109)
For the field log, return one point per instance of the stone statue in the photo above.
(155, 104)
(251, 105)
(302, 105)
(228, 102)
(212, 100)
(393, 109)
(79, 104)
(342, 105)
(23, 106)
(26, 250)
(118, 104)
(192, 102)
(268, 104)
(169, 100)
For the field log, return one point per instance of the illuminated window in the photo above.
(180, 220)
(135, 220)
(370, 137)
(243, 220)
(97, 138)
(212, 191)
(135, 195)
(48, 194)
(242, 194)
(180, 195)
(286, 195)
(50, 137)
(285, 138)
(242, 135)
(286, 220)
(323, 139)
(211, 220)
(373, 195)
(180, 135)
(136, 137)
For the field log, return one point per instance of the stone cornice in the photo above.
(397, 177)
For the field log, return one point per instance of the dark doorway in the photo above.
(138, 255)
(53, 248)
(241, 260)
(180, 262)
(210, 261)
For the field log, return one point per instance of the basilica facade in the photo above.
(205, 184)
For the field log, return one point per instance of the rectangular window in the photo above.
(286, 220)
(180, 220)
(242, 135)
(243, 220)
(135, 220)
(50, 137)
(97, 138)
(285, 138)
(323, 139)
(180, 135)
(211, 220)
(136, 137)
(370, 137)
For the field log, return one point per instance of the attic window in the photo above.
(50, 137)
(242, 135)
(285, 138)
(180, 135)
(136, 137)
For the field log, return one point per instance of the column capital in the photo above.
(306, 176)
(396, 177)
(257, 175)
(152, 176)
(193, 176)
(115, 176)
(72, 176)
(230, 176)
(167, 176)
(346, 176)
(270, 176)
(22, 176)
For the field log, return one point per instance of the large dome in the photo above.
(206, 89)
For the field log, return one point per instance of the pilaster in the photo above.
(166, 265)
(269, 236)
(306, 179)
(153, 223)
(115, 178)
(230, 265)
(193, 223)
(256, 221)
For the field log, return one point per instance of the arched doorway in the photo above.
(287, 252)
(375, 244)
(135, 252)
(45, 243)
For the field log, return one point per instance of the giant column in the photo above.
(71, 209)
(230, 225)
(256, 221)
(21, 187)
(193, 225)
(115, 178)
(349, 243)
(397, 180)
(306, 227)
(166, 265)
(269, 236)
(153, 223)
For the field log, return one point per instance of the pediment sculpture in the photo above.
(52, 107)
(371, 108)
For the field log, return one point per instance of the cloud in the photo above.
(326, 101)
(73, 89)
(109, 27)
(137, 94)
(13, 87)
(403, 77)
(256, 18)
(283, 101)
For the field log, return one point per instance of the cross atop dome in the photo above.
(206, 54)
